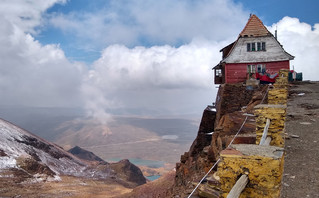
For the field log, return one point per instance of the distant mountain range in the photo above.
(125, 137)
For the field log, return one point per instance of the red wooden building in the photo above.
(255, 50)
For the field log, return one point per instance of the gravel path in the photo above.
(301, 170)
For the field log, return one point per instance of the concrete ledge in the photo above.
(280, 106)
(253, 149)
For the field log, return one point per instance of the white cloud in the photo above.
(302, 41)
(158, 22)
(177, 80)
(25, 14)
(30, 73)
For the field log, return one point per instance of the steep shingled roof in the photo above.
(254, 27)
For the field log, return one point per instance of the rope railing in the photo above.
(218, 159)
(244, 178)
(203, 178)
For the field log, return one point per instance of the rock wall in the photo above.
(232, 101)
(194, 162)
(259, 166)
(232, 97)
(206, 126)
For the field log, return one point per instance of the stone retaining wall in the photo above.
(262, 164)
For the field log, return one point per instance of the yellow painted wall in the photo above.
(277, 116)
(264, 173)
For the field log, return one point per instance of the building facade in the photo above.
(255, 51)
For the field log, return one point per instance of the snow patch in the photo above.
(17, 143)
(55, 178)
(7, 176)
(7, 162)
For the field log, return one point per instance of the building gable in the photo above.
(254, 28)
(272, 50)
(255, 34)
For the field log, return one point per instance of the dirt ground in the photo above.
(301, 170)
(71, 187)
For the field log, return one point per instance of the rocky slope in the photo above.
(128, 172)
(156, 189)
(24, 151)
(85, 155)
(124, 169)
(28, 162)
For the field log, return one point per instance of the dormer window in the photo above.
(258, 46)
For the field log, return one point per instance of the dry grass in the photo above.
(159, 188)
(68, 187)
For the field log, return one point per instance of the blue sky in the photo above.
(269, 12)
(145, 56)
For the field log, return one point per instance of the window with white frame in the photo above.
(253, 47)
(256, 46)
(251, 69)
(218, 73)
(261, 68)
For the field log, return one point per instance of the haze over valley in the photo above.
(160, 140)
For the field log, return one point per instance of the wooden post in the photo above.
(238, 187)
(267, 141)
(264, 136)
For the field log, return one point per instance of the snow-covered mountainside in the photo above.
(23, 151)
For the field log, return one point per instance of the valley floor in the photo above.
(68, 187)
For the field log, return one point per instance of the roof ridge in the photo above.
(254, 27)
